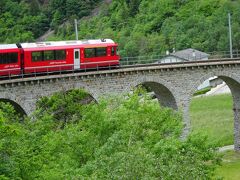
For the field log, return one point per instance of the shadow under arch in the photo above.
(16, 106)
(89, 98)
(66, 88)
(86, 100)
(162, 93)
(232, 81)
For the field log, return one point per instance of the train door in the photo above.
(77, 58)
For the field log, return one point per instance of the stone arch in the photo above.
(16, 106)
(226, 77)
(233, 83)
(92, 97)
(88, 99)
(62, 86)
(92, 92)
(162, 89)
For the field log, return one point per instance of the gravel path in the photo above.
(226, 148)
(220, 89)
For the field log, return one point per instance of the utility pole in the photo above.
(76, 28)
(230, 34)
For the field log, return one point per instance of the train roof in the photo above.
(66, 43)
(8, 46)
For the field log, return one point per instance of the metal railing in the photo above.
(162, 59)
(15, 73)
(125, 62)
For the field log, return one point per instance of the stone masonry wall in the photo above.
(175, 86)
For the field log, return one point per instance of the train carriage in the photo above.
(55, 56)
(69, 55)
(44, 57)
(101, 53)
(10, 60)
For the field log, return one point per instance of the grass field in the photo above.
(213, 115)
(230, 169)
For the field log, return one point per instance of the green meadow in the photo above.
(230, 169)
(213, 116)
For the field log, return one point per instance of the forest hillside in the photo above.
(26, 20)
(140, 27)
(144, 27)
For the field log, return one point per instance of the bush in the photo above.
(202, 91)
(118, 138)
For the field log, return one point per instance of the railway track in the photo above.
(121, 69)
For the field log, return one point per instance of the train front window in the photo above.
(113, 51)
(8, 58)
(101, 52)
(89, 52)
(37, 56)
(117, 53)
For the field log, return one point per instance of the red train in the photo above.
(57, 56)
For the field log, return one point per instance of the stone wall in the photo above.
(174, 86)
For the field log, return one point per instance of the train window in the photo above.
(89, 52)
(60, 54)
(8, 58)
(37, 56)
(117, 51)
(48, 55)
(76, 56)
(101, 52)
(95, 52)
(113, 51)
(12, 57)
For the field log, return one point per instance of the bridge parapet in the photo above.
(125, 70)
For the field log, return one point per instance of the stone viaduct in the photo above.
(173, 84)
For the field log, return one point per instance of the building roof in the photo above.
(190, 54)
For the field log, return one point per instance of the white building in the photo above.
(187, 55)
(184, 55)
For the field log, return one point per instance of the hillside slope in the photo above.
(26, 20)
(65, 24)
(151, 27)
(141, 27)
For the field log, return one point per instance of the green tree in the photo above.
(10, 133)
(57, 19)
(64, 107)
(142, 141)
(126, 138)
(176, 24)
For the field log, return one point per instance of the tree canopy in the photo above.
(25, 21)
(116, 138)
